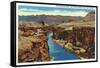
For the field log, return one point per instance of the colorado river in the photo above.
(58, 52)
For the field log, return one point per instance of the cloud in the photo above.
(65, 11)
(80, 13)
(28, 10)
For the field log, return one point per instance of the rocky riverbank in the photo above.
(70, 47)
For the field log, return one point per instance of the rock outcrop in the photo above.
(33, 49)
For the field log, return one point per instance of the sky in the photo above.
(54, 10)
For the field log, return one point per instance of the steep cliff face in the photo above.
(33, 49)
(79, 37)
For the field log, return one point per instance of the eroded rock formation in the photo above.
(33, 49)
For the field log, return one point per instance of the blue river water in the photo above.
(58, 52)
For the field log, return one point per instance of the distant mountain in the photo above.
(50, 19)
(90, 16)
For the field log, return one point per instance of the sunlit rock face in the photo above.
(33, 49)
